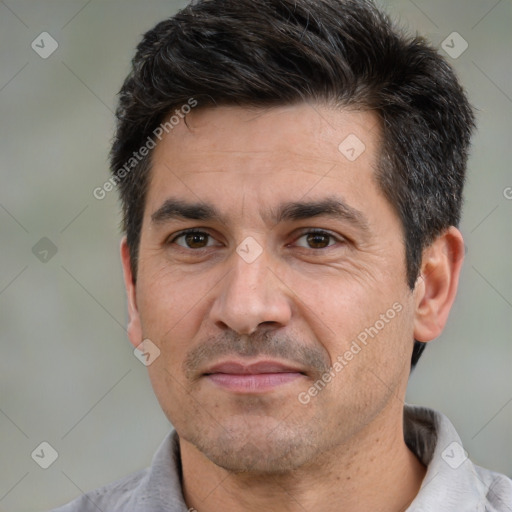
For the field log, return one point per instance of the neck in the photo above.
(374, 471)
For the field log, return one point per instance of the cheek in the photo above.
(170, 302)
(368, 333)
(346, 307)
(386, 340)
(168, 386)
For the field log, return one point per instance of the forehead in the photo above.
(225, 153)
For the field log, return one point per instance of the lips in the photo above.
(232, 367)
(256, 377)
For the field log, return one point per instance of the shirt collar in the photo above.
(452, 483)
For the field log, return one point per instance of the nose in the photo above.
(251, 294)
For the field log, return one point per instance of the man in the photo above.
(291, 176)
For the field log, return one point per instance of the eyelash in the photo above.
(314, 231)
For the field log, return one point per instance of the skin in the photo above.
(301, 302)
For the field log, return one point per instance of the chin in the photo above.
(258, 459)
(263, 448)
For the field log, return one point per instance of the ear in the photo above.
(134, 325)
(437, 284)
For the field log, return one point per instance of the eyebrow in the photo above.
(331, 206)
(178, 209)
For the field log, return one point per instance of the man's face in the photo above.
(293, 274)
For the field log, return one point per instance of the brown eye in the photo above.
(193, 240)
(316, 240)
(196, 240)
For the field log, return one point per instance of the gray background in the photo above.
(68, 375)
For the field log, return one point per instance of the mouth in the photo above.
(256, 377)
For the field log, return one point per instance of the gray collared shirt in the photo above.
(452, 483)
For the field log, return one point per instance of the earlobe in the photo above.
(437, 284)
(134, 324)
